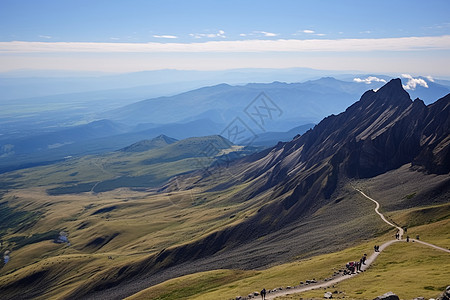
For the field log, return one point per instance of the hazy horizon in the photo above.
(119, 37)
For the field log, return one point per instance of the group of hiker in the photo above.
(355, 266)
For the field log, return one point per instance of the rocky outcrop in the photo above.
(387, 296)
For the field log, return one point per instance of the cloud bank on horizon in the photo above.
(136, 35)
(250, 45)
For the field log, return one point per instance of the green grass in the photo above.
(122, 169)
(15, 220)
(421, 215)
(191, 285)
(17, 242)
(409, 270)
(402, 261)
(289, 274)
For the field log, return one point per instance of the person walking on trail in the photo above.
(417, 237)
(364, 258)
(263, 294)
(407, 238)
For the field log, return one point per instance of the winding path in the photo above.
(369, 260)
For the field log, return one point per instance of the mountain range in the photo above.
(80, 124)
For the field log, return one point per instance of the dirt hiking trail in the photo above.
(369, 260)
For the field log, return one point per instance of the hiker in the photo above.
(358, 266)
(417, 237)
(347, 266)
(352, 267)
(263, 294)
(407, 238)
(363, 259)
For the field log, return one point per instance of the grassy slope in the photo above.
(404, 262)
(431, 222)
(148, 222)
(409, 270)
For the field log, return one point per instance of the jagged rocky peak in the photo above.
(391, 94)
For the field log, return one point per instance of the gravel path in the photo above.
(369, 260)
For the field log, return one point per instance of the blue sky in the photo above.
(134, 35)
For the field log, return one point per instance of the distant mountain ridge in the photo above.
(145, 145)
(302, 102)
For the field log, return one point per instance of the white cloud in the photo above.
(46, 36)
(430, 78)
(237, 46)
(369, 80)
(267, 34)
(259, 34)
(220, 34)
(412, 82)
(165, 36)
(308, 31)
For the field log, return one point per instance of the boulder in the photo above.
(328, 295)
(238, 298)
(387, 296)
